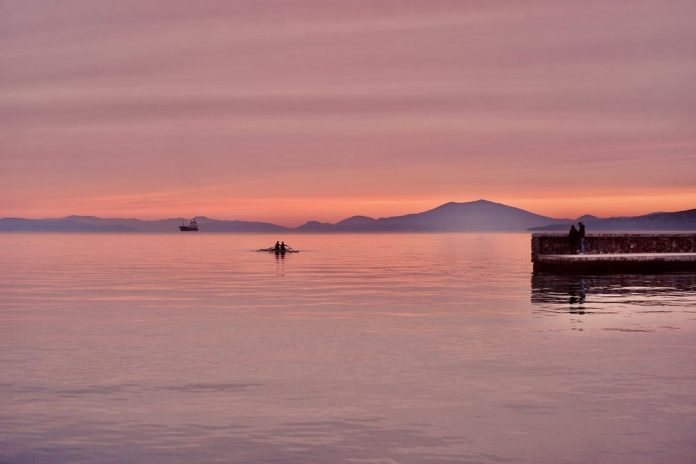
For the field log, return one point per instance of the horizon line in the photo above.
(126, 217)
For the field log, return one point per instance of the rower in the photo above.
(277, 246)
(282, 246)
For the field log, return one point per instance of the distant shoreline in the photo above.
(474, 216)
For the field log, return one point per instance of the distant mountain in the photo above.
(480, 215)
(96, 224)
(57, 225)
(355, 223)
(217, 225)
(352, 224)
(315, 226)
(678, 220)
(128, 224)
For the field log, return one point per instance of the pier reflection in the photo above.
(581, 294)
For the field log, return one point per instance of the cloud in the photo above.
(327, 99)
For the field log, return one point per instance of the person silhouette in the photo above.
(573, 239)
(283, 247)
(581, 237)
(277, 246)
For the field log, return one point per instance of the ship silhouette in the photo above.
(192, 226)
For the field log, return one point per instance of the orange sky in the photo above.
(291, 111)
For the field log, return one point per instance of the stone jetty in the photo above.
(615, 253)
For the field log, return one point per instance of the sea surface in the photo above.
(366, 348)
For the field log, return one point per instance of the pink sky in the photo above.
(289, 111)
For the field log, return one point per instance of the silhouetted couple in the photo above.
(576, 238)
(280, 247)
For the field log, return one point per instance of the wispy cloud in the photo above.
(105, 104)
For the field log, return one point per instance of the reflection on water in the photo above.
(384, 348)
(640, 293)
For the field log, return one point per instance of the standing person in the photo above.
(573, 239)
(581, 237)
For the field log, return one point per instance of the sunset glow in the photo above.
(295, 111)
(347, 231)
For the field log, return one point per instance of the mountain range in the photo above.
(480, 215)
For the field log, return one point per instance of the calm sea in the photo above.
(430, 348)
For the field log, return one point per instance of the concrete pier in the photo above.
(616, 253)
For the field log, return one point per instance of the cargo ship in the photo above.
(192, 226)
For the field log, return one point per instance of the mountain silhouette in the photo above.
(96, 224)
(480, 215)
(473, 216)
(677, 220)
(315, 226)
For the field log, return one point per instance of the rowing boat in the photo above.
(273, 250)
